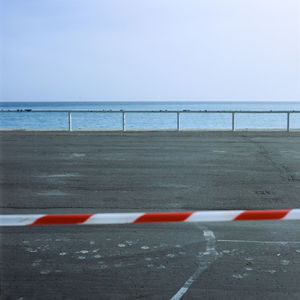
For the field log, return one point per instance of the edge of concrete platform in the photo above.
(148, 130)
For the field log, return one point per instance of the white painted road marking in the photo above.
(259, 242)
(206, 258)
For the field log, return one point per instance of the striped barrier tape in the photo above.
(124, 218)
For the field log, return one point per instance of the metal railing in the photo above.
(177, 112)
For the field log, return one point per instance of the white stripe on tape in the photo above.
(211, 216)
(113, 218)
(18, 220)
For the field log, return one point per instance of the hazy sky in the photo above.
(150, 50)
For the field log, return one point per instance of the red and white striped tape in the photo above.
(124, 218)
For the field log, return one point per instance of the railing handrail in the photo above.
(178, 112)
(148, 111)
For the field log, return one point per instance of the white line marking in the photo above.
(259, 242)
(206, 258)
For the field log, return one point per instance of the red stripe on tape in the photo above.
(163, 217)
(61, 219)
(262, 215)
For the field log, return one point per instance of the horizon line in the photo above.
(147, 101)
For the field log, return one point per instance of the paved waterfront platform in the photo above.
(90, 172)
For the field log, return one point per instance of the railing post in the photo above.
(123, 121)
(178, 121)
(232, 122)
(70, 121)
(288, 122)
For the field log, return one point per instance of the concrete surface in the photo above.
(61, 172)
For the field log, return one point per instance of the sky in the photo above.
(148, 50)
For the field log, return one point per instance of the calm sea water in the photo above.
(148, 121)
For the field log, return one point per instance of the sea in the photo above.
(149, 121)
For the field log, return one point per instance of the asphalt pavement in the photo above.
(90, 172)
